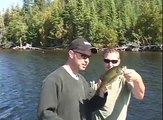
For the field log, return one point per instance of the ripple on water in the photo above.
(6, 112)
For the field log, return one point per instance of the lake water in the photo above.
(22, 72)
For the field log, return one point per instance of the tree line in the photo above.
(46, 23)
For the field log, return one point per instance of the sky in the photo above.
(4, 4)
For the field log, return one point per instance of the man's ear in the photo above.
(71, 53)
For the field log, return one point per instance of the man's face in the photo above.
(111, 60)
(82, 58)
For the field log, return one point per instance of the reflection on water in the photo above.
(22, 72)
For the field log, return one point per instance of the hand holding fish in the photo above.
(95, 86)
(131, 75)
(104, 90)
(139, 89)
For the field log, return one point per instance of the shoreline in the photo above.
(54, 48)
(153, 48)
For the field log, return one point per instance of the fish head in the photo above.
(118, 69)
(111, 73)
(121, 69)
(110, 76)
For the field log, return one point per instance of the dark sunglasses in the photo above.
(83, 56)
(112, 61)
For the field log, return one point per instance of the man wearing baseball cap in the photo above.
(65, 94)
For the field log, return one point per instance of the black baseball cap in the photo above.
(83, 45)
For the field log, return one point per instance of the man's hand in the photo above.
(96, 86)
(131, 75)
(138, 89)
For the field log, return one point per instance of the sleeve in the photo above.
(49, 98)
(95, 100)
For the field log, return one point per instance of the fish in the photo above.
(109, 76)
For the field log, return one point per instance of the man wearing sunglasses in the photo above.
(65, 94)
(119, 92)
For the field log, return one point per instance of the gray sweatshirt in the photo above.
(65, 98)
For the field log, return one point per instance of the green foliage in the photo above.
(53, 23)
(149, 24)
(17, 28)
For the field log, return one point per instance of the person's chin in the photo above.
(83, 68)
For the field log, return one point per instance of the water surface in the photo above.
(22, 72)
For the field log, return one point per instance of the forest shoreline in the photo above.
(120, 48)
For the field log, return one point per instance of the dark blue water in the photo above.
(22, 72)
